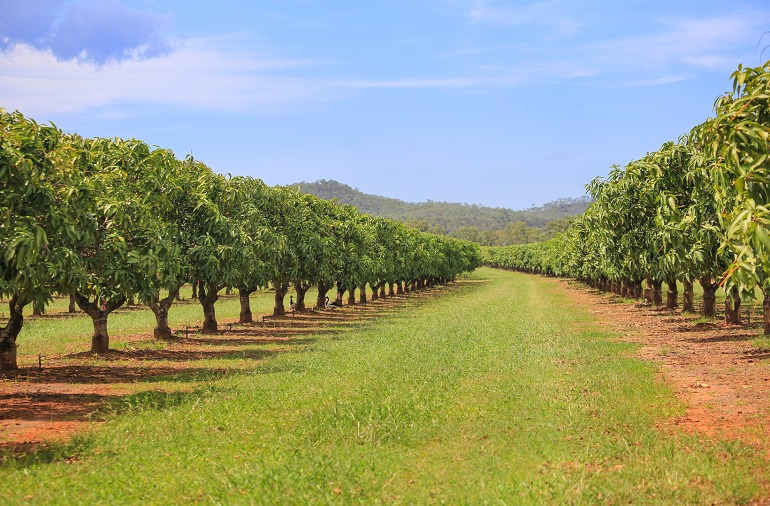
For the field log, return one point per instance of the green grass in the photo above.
(498, 392)
(58, 333)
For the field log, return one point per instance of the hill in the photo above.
(469, 221)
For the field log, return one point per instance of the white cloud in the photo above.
(201, 73)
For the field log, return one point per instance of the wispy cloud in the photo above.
(560, 156)
(548, 13)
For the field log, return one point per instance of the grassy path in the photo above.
(495, 393)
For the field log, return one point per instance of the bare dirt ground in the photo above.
(715, 369)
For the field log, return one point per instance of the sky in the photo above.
(491, 102)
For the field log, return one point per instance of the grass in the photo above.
(59, 333)
(498, 392)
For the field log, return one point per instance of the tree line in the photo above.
(695, 210)
(485, 225)
(106, 220)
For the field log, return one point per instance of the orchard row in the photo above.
(105, 220)
(696, 210)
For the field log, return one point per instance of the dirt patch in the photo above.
(721, 377)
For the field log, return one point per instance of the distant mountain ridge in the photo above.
(446, 215)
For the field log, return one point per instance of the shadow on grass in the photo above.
(26, 455)
(113, 373)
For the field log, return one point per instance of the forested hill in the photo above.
(445, 215)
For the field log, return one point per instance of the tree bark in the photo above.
(657, 294)
(323, 289)
(672, 295)
(208, 295)
(625, 289)
(244, 297)
(351, 296)
(281, 289)
(648, 290)
(100, 341)
(375, 291)
(733, 308)
(10, 332)
(194, 290)
(362, 294)
(38, 309)
(688, 300)
(766, 310)
(73, 305)
(391, 292)
(709, 296)
(301, 288)
(160, 309)
(400, 288)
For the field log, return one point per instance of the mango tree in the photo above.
(40, 213)
(265, 244)
(125, 247)
(739, 141)
(219, 245)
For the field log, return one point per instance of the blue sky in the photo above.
(493, 102)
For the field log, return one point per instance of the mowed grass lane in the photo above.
(497, 392)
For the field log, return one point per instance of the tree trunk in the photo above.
(625, 289)
(648, 290)
(362, 294)
(244, 296)
(657, 294)
(672, 295)
(375, 291)
(281, 289)
(208, 295)
(73, 305)
(160, 309)
(301, 288)
(400, 288)
(383, 293)
(38, 309)
(100, 341)
(391, 292)
(688, 301)
(194, 290)
(10, 332)
(638, 289)
(766, 308)
(351, 296)
(709, 296)
(323, 289)
(733, 308)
